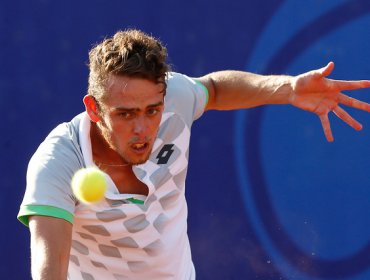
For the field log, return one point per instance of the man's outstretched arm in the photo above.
(311, 91)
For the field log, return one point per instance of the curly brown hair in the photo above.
(128, 53)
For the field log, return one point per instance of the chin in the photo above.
(137, 161)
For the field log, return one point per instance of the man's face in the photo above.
(130, 116)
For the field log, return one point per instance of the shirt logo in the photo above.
(165, 153)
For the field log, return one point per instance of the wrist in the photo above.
(283, 90)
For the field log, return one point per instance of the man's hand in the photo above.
(313, 92)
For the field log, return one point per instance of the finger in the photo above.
(349, 85)
(352, 102)
(344, 116)
(325, 123)
(325, 71)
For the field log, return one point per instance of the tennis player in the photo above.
(136, 129)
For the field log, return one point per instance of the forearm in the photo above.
(50, 248)
(47, 266)
(229, 90)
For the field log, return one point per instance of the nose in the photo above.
(140, 127)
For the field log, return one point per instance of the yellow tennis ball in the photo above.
(89, 185)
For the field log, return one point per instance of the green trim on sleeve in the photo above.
(43, 210)
(135, 201)
(205, 90)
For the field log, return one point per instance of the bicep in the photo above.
(50, 247)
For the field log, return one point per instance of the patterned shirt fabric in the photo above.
(116, 239)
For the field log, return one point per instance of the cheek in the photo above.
(116, 132)
(156, 123)
(121, 132)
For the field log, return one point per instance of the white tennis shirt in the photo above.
(116, 239)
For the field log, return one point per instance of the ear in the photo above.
(91, 108)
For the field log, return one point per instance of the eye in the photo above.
(152, 111)
(126, 115)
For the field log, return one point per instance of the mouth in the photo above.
(140, 147)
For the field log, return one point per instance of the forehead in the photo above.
(132, 92)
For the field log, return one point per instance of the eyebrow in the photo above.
(138, 109)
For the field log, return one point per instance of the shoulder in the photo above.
(66, 133)
(60, 148)
(177, 81)
(185, 96)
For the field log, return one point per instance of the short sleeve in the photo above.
(186, 96)
(49, 173)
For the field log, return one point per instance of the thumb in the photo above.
(326, 70)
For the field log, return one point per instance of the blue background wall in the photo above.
(268, 197)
